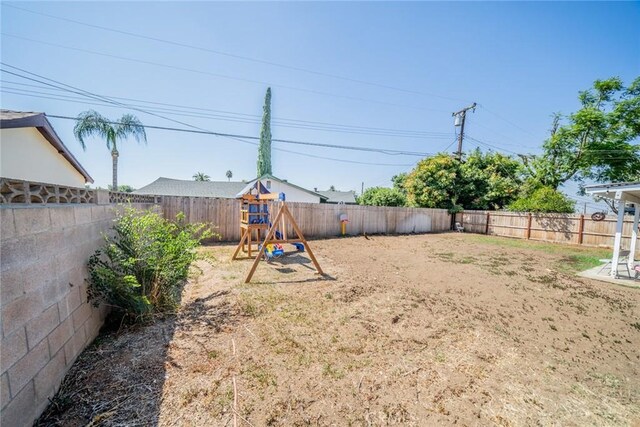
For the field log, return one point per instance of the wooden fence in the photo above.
(322, 220)
(315, 220)
(557, 228)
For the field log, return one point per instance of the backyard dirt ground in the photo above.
(436, 329)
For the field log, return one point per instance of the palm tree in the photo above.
(229, 175)
(201, 176)
(92, 123)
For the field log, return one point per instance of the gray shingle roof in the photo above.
(12, 115)
(180, 187)
(339, 196)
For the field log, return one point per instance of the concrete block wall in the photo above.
(45, 319)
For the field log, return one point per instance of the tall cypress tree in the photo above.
(264, 149)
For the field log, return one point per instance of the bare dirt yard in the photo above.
(421, 330)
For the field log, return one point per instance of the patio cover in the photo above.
(624, 193)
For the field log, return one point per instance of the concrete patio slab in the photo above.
(624, 279)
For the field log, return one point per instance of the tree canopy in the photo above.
(543, 199)
(92, 123)
(382, 196)
(596, 142)
(599, 142)
(201, 176)
(482, 181)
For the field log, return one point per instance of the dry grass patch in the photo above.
(408, 330)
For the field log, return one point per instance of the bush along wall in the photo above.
(143, 265)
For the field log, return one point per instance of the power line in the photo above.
(95, 96)
(252, 115)
(232, 55)
(492, 146)
(244, 138)
(78, 91)
(506, 120)
(187, 113)
(223, 76)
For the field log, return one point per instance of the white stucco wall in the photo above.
(292, 194)
(25, 154)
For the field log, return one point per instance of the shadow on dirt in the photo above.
(118, 380)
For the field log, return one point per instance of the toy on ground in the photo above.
(273, 250)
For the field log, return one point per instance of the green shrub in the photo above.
(543, 199)
(382, 196)
(144, 263)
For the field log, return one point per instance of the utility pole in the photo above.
(460, 117)
(362, 188)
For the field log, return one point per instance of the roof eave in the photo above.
(628, 191)
(40, 122)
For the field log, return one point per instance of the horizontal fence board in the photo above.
(314, 219)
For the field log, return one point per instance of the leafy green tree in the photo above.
(332, 188)
(382, 196)
(123, 188)
(201, 176)
(493, 180)
(264, 149)
(596, 142)
(543, 199)
(92, 123)
(482, 181)
(229, 175)
(398, 182)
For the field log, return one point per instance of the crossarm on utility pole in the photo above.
(463, 115)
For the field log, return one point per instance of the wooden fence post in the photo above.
(580, 229)
(486, 227)
(529, 226)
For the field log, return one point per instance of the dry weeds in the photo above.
(406, 330)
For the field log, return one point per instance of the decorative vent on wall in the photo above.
(23, 192)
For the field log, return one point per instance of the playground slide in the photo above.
(299, 246)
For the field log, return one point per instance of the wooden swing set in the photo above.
(255, 215)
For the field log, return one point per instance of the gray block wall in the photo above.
(45, 319)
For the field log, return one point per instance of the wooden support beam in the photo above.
(486, 226)
(581, 229)
(304, 241)
(240, 245)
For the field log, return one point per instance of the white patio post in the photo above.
(617, 241)
(634, 235)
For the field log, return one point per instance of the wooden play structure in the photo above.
(255, 219)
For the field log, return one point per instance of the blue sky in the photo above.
(415, 63)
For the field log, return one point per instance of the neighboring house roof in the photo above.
(24, 119)
(180, 187)
(220, 189)
(348, 197)
(265, 177)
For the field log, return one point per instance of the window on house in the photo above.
(268, 185)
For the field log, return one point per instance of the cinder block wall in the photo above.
(45, 319)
